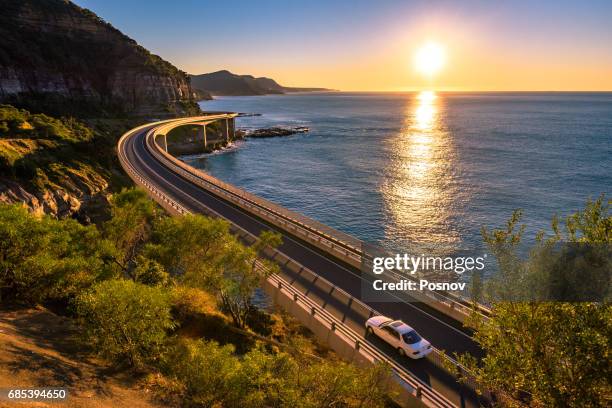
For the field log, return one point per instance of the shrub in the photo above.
(46, 259)
(337, 383)
(212, 375)
(21, 123)
(188, 302)
(126, 320)
(207, 370)
(150, 272)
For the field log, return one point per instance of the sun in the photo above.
(429, 59)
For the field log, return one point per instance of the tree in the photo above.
(191, 247)
(126, 320)
(42, 258)
(243, 270)
(133, 216)
(201, 252)
(540, 351)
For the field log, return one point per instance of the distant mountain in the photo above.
(226, 83)
(60, 58)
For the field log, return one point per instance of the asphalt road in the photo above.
(442, 331)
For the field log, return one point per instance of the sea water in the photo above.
(424, 168)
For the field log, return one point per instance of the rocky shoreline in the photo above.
(276, 131)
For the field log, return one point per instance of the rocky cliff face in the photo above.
(61, 59)
(61, 202)
(59, 166)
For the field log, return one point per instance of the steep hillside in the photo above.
(226, 83)
(39, 348)
(63, 167)
(58, 58)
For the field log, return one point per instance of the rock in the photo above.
(274, 132)
(11, 193)
(86, 206)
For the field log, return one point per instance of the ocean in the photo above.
(430, 170)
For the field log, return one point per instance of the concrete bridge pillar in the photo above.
(232, 128)
(226, 129)
(165, 144)
(202, 134)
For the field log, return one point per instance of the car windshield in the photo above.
(411, 337)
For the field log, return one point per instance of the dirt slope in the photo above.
(40, 349)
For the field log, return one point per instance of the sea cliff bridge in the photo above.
(320, 279)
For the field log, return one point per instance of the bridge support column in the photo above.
(165, 144)
(232, 132)
(227, 137)
(201, 134)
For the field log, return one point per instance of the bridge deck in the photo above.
(443, 332)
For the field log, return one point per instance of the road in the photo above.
(442, 331)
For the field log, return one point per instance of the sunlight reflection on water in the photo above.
(431, 169)
(418, 190)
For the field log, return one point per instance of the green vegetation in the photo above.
(214, 376)
(243, 272)
(66, 50)
(59, 157)
(126, 320)
(46, 260)
(545, 345)
(19, 123)
(170, 299)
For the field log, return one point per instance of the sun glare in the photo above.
(429, 59)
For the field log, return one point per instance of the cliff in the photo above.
(59, 58)
(226, 83)
(60, 61)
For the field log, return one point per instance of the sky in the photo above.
(370, 45)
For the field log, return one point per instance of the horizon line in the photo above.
(330, 90)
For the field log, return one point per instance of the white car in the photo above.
(399, 335)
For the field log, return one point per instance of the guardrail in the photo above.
(412, 384)
(338, 244)
(251, 203)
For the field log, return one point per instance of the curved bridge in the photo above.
(320, 267)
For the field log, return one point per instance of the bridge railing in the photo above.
(339, 244)
(412, 384)
(437, 357)
(339, 238)
(169, 205)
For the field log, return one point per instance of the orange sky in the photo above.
(362, 45)
(473, 62)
